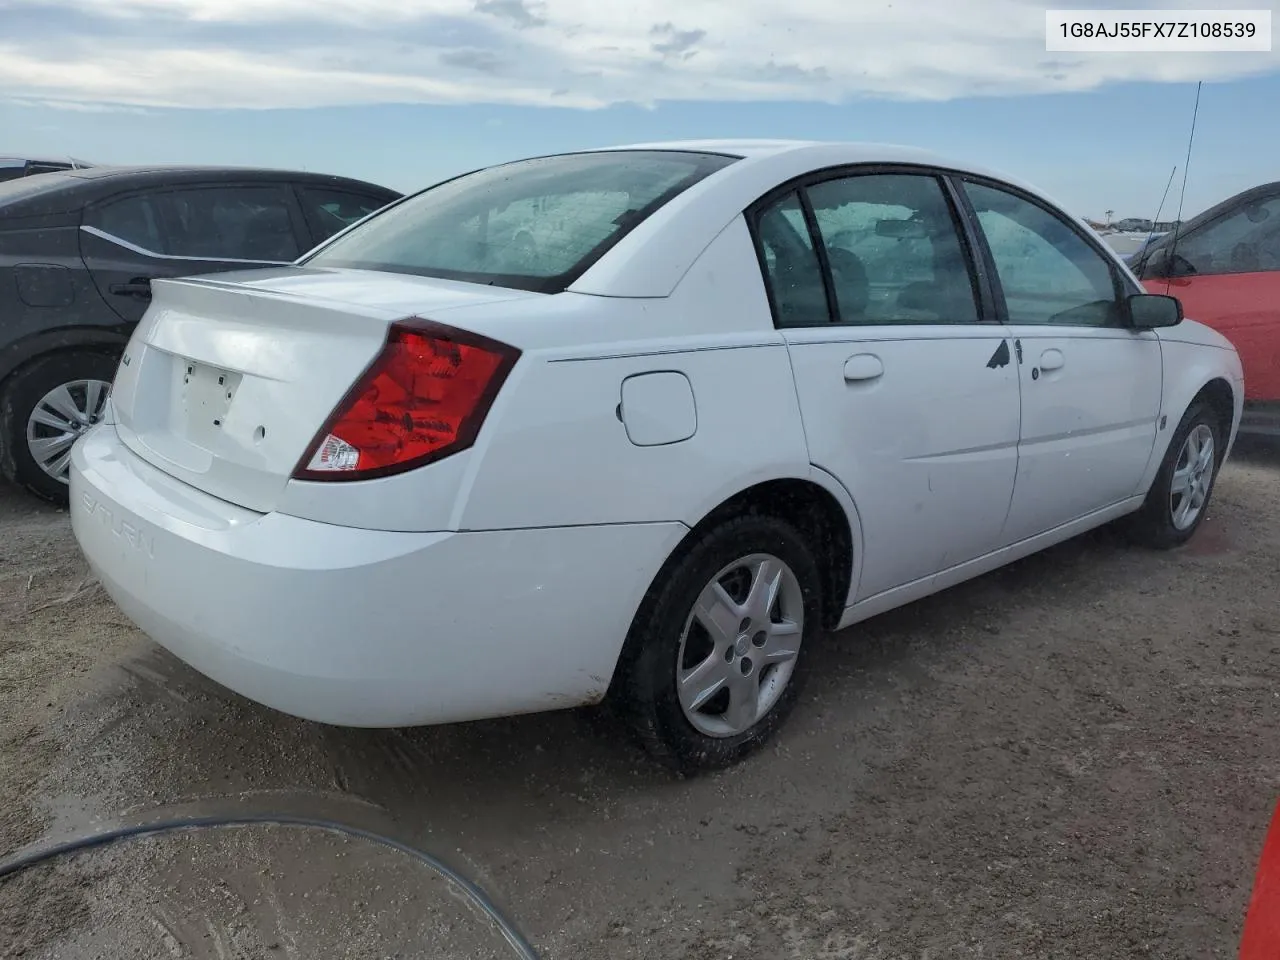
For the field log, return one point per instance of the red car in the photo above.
(1225, 268)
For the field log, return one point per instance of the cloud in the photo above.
(674, 43)
(485, 61)
(517, 11)
(570, 53)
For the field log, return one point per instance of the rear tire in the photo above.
(70, 390)
(741, 653)
(1179, 496)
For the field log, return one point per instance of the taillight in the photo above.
(424, 397)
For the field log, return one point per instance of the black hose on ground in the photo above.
(478, 897)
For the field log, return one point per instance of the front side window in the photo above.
(1244, 241)
(1049, 273)
(894, 250)
(532, 225)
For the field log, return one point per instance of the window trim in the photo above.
(1122, 286)
(985, 302)
(302, 237)
(1181, 237)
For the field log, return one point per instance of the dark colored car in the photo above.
(11, 167)
(1224, 265)
(78, 250)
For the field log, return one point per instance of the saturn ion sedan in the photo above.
(637, 425)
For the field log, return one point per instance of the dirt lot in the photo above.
(1075, 757)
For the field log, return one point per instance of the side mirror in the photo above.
(1149, 311)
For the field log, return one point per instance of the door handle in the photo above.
(863, 366)
(1052, 360)
(139, 287)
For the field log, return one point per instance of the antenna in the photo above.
(1177, 229)
(1159, 209)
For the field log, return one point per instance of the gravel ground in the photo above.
(1073, 757)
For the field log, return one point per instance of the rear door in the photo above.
(1227, 275)
(330, 209)
(1091, 386)
(907, 389)
(130, 240)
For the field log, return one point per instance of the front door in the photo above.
(908, 397)
(1091, 386)
(128, 241)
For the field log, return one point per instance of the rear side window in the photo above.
(894, 250)
(206, 223)
(532, 225)
(791, 267)
(234, 223)
(133, 219)
(332, 210)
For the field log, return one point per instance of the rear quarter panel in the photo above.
(47, 299)
(553, 451)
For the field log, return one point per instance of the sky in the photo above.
(408, 92)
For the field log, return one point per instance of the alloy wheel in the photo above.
(739, 646)
(59, 419)
(1192, 477)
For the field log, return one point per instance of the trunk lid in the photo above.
(228, 378)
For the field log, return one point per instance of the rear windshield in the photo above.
(531, 225)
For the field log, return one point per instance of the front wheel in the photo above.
(1179, 496)
(715, 657)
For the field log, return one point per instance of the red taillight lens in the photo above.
(423, 398)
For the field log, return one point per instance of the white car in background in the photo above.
(747, 394)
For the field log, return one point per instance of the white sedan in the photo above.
(744, 394)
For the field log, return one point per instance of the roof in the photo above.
(193, 171)
(25, 158)
(858, 151)
(650, 260)
(736, 148)
(67, 191)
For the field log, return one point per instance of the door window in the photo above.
(333, 210)
(791, 268)
(1049, 273)
(206, 223)
(1244, 241)
(894, 250)
(230, 223)
(132, 219)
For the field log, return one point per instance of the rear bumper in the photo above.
(359, 627)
